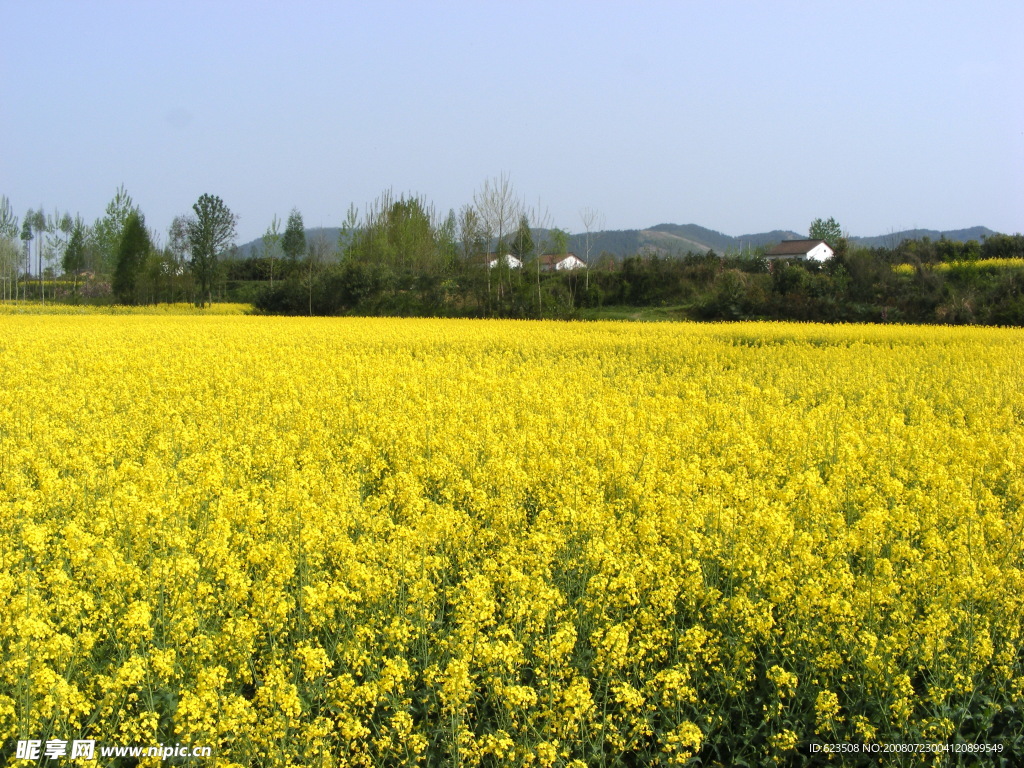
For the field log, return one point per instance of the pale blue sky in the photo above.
(741, 117)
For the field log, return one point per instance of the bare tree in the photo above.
(499, 210)
(270, 240)
(177, 246)
(540, 221)
(592, 220)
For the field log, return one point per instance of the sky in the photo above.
(741, 117)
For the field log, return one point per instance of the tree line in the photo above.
(399, 260)
(492, 258)
(116, 258)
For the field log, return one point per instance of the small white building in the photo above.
(551, 262)
(815, 250)
(508, 260)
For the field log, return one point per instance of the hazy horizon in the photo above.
(738, 117)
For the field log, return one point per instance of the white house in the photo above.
(508, 260)
(551, 262)
(816, 250)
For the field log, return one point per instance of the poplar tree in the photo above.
(293, 243)
(108, 230)
(26, 247)
(8, 219)
(8, 249)
(271, 238)
(132, 251)
(73, 261)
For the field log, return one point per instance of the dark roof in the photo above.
(555, 258)
(794, 247)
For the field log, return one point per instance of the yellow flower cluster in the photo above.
(35, 307)
(946, 266)
(352, 542)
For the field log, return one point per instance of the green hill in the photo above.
(894, 239)
(673, 240)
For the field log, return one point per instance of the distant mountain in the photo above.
(691, 235)
(674, 240)
(255, 247)
(774, 237)
(679, 239)
(894, 239)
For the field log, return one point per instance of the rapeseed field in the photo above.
(376, 542)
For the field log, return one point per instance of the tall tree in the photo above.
(270, 240)
(58, 228)
(37, 220)
(132, 253)
(210, 232)
(8, 248)
(542, 223)
(177, 250)
(8, 219)
(294, 241)
(319, 250)
(498, 207)
(471, 237)
(411, 230)
(560, 241)
(9, 256)
(107, 231)
(446, 241)
(522, 240)
(349, 228)
(73, 261)
(26, 245)
(829, 231)
(592, 219)
(470, 248)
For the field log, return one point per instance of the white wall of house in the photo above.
(570, 262)
(510, 261)
(820, 252)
